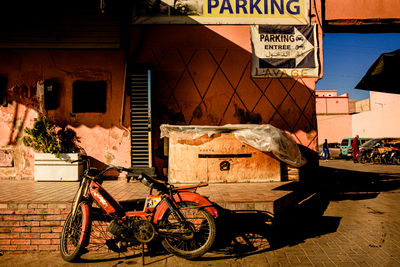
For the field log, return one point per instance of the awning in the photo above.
(382, 76)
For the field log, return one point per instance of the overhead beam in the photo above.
(361, 16)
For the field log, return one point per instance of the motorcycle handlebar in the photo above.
(83, 158)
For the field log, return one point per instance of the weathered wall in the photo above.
(101, 134)
(202, 77)
(246, 164)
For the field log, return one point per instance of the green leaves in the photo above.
(43, 137)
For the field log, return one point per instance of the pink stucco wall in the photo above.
(381, 121)
(195, 68)
(101, 134)
(379, 100)
(203, 74)
(377, 123)
(334, 127)
(332, 105)
(383, 118)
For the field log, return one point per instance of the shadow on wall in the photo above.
(199, 77)
(26, 102)
(18, 122)
(203, 78)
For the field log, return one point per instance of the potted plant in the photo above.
(55, 150)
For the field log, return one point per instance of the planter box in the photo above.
(50, 168)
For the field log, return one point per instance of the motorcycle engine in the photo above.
(119, 229)
(143, 231)
(136, 229)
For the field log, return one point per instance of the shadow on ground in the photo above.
(339, 184)
(244, 233)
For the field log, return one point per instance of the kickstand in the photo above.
(142, 254)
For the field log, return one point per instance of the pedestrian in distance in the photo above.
(356, 148)
(326, 150)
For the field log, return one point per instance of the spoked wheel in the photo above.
(73, 236)
(99, 236)
(103, 244)
(189, 244)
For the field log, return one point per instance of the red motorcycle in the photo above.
(182, 219)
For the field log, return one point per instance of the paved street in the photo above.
(361, 227)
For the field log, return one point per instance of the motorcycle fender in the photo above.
(84, 239)
(185, 196)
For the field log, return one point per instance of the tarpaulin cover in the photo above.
(382, 76)
(263, 137)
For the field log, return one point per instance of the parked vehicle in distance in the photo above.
(393, 155)
(380, 150)
(374, 141)
(346, 150)
(334, 150)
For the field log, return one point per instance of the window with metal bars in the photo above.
(89, 96)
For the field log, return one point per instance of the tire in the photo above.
(363, 159)
(73, 235)
(204, 232)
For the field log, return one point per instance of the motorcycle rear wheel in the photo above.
(71, 242)
(204, 232)
(363, 159)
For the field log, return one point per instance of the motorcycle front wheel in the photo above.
(73, 235)
(202, 225)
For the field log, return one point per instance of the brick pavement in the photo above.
(362, 232)
(231, 195)
(359, 228)
(32, 213)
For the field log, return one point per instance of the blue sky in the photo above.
(348, 56)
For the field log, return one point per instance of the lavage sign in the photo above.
(284, 51)
(278, 12)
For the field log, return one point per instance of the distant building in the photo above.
(352, 106)
(329, 103)
(339, 117)
(333, 116)
(382, 117)
(362, 105)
